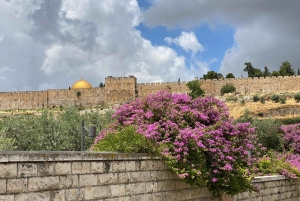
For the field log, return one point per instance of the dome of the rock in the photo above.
(82, 84)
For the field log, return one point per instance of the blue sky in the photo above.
(52, 44)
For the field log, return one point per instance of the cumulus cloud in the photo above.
(266, 34)
(187, 41)
(55, 43)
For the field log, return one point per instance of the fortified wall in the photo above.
(126, 89)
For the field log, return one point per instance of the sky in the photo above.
(50, 44)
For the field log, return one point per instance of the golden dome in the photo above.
(82, 84)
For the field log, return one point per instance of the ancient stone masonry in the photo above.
(126, 89)
(91, 176)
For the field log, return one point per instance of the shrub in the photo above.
(125, 140)
(282, 100)
(275, 98)
(262, 100)
(291, 137)
(59, 131)
(196, 137)
(228, 88)
(255, 98)
(293, 120)
(231, 98)
(276, 163)
(268, 133)
(297, 97)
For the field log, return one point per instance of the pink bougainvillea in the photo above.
(291, 137)
(196, 137)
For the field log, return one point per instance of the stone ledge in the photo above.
(42, 156)
(268, 178)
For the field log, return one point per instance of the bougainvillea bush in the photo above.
(291, 137)
(196, 138)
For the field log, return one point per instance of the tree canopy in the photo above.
(286, 69)
(212, 75)
(195, 88)
(230, 75)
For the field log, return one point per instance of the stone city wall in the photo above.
(65, 176)
(126, 89)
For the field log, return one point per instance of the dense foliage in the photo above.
(195, 136)
(227, 88)
(59, 130)
(195, 88)
(126, 140)
(267, 130)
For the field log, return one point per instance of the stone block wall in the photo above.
(64, 176)
(74, 176)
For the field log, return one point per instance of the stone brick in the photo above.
(154, 175)
(117, 190)
(66, 181)
(16, 185)
(75, 180)
(45, 169)
(123, 177)
(110, 178)
(118, 166)
(40, 196)
(27, 169)
(62, 168)
(146, 197)
(135, 188)
(7, 198)
(43, 183)
(97, 192)
(81, 167)
(148, 165)
(58, 195)
(2, 185)
(130, 166)
(100, 167)
(74, 194)
(133, 176)
(145, 176)
(151, 187)
(8, 170)
(87, 180)
(124, 198)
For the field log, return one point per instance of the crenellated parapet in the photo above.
(126, 89)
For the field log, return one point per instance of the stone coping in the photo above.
(26, 156)
(268, 178)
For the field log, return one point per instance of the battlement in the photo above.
(111, 78)
(125, 89)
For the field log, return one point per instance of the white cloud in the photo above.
(187, 41)
(265, 34)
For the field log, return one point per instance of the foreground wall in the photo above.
(46, 176)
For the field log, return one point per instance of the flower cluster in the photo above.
(196, 137)
(291, 137)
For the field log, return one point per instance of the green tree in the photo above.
(249, 69)
(275, 74)
(195, 88)
(212, 75)
(230, 75)
(286, 69)
(266, 72)
(252, 72)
